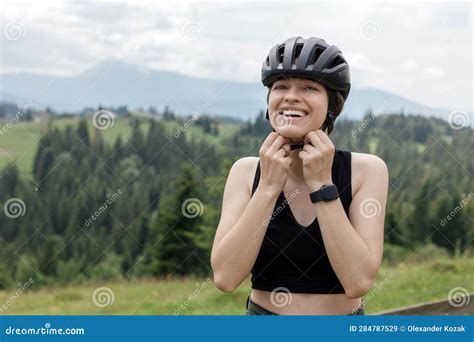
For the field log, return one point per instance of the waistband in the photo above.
(253, 309)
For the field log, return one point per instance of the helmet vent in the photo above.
(314, 57)
(281, 51)
(335, 62)
(298, 49)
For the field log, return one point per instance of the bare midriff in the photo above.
(305, 303)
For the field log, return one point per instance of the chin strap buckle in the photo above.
(296, 146)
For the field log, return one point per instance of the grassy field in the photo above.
(20, 141)
(396, 286)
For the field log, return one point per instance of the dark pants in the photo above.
(253, 309)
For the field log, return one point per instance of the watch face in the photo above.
(329, 192)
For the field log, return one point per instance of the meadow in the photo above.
(406, 283)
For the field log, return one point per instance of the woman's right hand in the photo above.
(274, 162)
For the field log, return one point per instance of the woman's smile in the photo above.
(293, 114)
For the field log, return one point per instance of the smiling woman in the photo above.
(317, 250)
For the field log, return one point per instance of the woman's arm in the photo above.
(242, 226)
(244, 219)
(355, 246)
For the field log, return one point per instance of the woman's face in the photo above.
(308, 98)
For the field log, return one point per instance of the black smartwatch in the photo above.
(325, 193)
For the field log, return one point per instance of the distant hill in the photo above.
(114, 83)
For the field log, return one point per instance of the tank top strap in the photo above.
(341, 176)
(256, 178)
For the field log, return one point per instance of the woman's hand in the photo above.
(317, 159)
(274, 162)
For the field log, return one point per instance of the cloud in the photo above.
(403, 48)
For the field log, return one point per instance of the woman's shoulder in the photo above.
(363, 166)
(366, 160)
(244, 168)
(246, 162)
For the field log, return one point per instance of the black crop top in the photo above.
(294, 257)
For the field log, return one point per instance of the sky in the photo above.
(420, 50)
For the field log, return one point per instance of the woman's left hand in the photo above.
(317, 159)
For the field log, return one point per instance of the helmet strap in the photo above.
(330, 118)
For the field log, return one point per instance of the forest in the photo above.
(148, 204)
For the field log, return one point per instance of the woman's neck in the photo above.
(296, 168)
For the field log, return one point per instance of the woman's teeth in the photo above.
(293, 114)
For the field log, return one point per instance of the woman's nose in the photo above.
(292, 95)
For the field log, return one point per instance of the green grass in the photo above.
(406, 284)
(19, 143)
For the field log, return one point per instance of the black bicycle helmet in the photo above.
(311, 58)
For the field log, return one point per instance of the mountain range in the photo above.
(114, 83)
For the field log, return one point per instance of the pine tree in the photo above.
(9, 180)
(419, 222)
(83, 132)
(174, 227)
(452, 229)
(136, 142)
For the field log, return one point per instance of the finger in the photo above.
(307, 139)
(286, 151)
(287, 147)
(309, 148)
(324, 137)
(278, 143)
(281, 153)
(269, 140)
(314, 138)
(303, 155)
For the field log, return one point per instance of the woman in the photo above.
(301, 217)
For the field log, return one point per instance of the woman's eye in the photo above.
(279, 87)
(312, 88)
